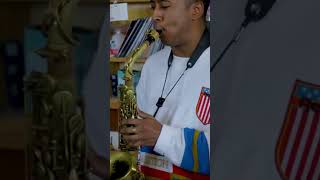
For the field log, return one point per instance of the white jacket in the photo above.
(185, 115)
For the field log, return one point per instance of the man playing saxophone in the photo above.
(173, 95)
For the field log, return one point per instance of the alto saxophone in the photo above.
(123, 163)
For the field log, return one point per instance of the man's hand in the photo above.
(145, 131)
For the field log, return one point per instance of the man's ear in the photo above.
(197, 10)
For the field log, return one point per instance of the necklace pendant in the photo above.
(160, 101)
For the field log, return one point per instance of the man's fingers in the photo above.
(133, 140)
(129, 130)
(130, 122)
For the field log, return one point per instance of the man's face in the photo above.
(172, 18)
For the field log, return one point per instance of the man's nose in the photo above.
(157, 15)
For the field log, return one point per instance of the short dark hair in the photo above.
(205, 3)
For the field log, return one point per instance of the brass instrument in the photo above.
(57, 146)
(123, 163)
(57, 26)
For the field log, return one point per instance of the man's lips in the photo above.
(159, 29)
(160, 32)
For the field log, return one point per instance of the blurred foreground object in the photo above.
(57, 148)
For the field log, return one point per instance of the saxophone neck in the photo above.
(137, 53)
(129, 65)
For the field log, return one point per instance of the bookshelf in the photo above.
(115, 64)
(136, 9)
(123, 60)
(114, 103)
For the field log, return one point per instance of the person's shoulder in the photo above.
(206, 52)
(205, 56)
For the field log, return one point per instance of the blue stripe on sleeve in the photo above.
(187, 160)
(203, 154)
(148, 149)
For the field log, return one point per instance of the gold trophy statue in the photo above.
(123, 163)
(57, 148)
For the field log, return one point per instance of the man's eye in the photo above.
(164, 5)
(153, 5)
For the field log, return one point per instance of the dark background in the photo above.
(271, 54)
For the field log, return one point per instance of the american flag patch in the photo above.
(298, 148)
(203, 106)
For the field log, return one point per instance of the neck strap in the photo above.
(203, 44)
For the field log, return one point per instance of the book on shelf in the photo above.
(136, 35)
(114, 85)
(132, 31)
(140, 37)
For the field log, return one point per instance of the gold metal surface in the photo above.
(123, 164)
(57, 147)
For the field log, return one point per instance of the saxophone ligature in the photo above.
(123, 163)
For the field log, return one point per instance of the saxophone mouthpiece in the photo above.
(152, 35)
(159, 31)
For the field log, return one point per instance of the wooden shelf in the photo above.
(114, 103)
(123, 60)
(136, 8)
(13, 129)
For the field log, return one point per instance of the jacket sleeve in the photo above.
(186, 148)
